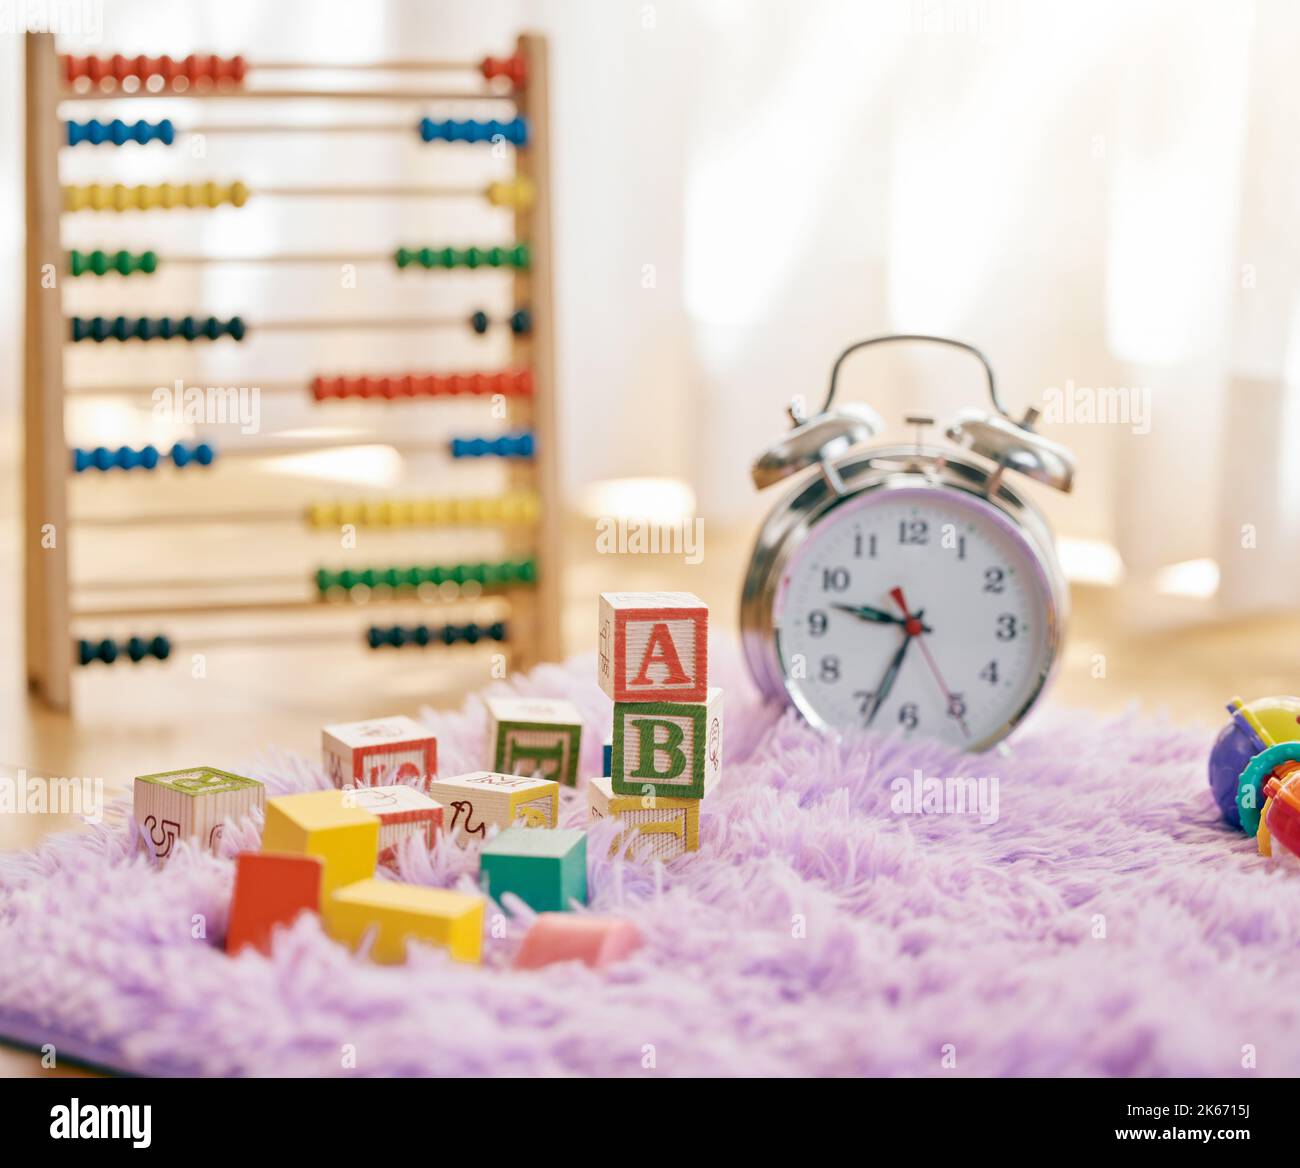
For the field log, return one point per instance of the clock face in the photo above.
(917, 609)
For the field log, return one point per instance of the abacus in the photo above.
(508, 598)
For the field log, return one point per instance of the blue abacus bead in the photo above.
(374, 636)
(471, 634)
(80, 460)
(137, 649)
(428, 129)
(75, 135)
(236, 328)
(204, 454)
(125, 458)
(85, 652)
(521, 322)
(524, 445)
(498, 631)
(103, 458)
(479, 322)
(149, 457)
(107, 650)
(180, 454)
(165, 132)
(161, 648)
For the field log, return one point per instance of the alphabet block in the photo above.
(607, 757)
(474, 801)
(595, 941)
(403, 812)
(325, 824)
(546, 869)
(534, 736)
(270, 890)
(378, 752)
(657, 827)
(400, 913)
(654, 647)
(191, 804)
(668, 748)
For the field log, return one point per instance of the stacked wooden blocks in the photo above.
(667, 746)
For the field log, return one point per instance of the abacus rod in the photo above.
(304, 128)
(354, 192)
(348, 324)
(409, 65)
(378, 257)
(274, 388)
(219, 608)
(218, 94)
(187, 518)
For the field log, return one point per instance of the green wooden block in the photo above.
(667, 748)
(538, 737)
(545, 867)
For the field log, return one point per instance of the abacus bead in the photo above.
(204, 454)
(108, 651)
(180, 454)
(137, 649)
(521, 322)
(479, 322)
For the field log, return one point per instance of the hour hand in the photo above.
(866, 612)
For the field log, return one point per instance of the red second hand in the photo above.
(914, 628)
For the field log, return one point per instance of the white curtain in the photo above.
(1099, 194)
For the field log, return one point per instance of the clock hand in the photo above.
(891, 675)
(866, 613)
(914, 628)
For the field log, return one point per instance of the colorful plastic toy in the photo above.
(1256, 727)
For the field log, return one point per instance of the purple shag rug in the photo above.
(1103, 922)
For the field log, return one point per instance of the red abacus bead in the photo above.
(512, 67)
(524, 382)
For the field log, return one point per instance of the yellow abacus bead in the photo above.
(403, 513)
(518, 193)
(443, 511)
(423, 511)
(117, 197)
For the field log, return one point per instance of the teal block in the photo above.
(545, 867)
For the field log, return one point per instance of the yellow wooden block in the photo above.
(405, 912)
(657, 827)
(327, 824)
(475, 800)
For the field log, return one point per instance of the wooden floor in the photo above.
(157, 717)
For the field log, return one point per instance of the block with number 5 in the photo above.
(667, 748)
(653, 647)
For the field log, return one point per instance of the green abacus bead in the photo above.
(324, 579)
(528, 571)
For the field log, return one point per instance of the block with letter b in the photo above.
(668, 748)
(534, 736)
(653, 647)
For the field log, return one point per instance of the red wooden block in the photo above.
(271, 888)
(654, 647)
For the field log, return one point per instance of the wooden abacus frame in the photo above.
(535, 611)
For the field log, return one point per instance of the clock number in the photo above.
(990, 673)
(956, 706)
(907, 715)
(1006, 627)
(865, 699)
(830, 669)
(816, 623)
(994, 580)
(913, 531)
(859, 543)
(835, 580)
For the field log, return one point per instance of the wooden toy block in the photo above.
(607, 757)
(403, 812)
(534, 736)
(546, 869)
(270, 889)
(378, 752)
(192, 804)
(668, 748)
(329, 825)
(595, 941)
(405, 912)
(657, 827)
(478, 799)
(654, 647)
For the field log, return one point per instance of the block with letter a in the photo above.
(653, 647)
(667, 748)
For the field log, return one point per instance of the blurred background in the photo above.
(1099, 195)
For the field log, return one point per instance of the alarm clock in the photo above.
(907, 587)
